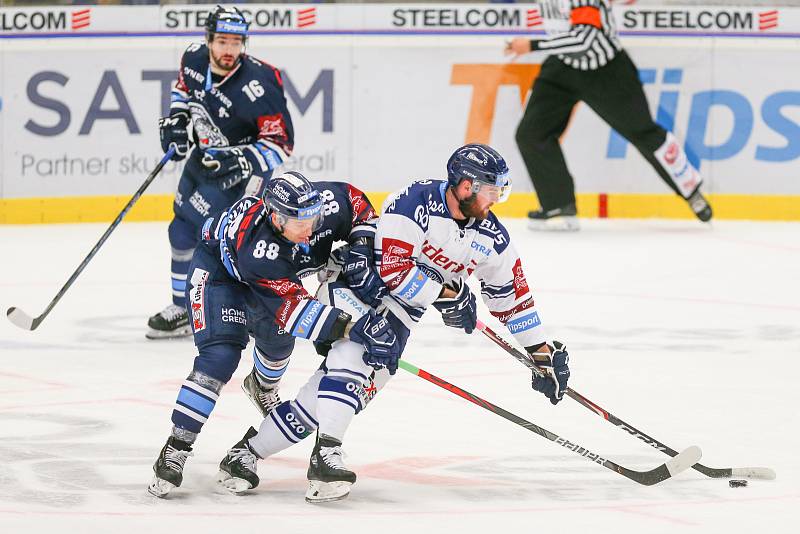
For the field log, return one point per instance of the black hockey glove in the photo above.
(382, 348)
(361, 276)
(228, 166)
(556, 368)
(173, 132)
(459, 311)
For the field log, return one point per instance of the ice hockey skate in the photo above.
(237, 471)
(168, 468)
(562, 219)
(171, 322)
(328, 478)
(264, 399)
(700, 206)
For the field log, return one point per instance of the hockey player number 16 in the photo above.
(253, 90)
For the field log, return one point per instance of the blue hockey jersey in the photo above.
(246, 108)
(255, 254)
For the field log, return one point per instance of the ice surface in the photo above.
(688, 332)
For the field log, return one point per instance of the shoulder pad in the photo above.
(494, 229)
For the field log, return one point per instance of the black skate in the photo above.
(328, 478)
(172, 321)
(557, 219)
(237, 471)
(700, 206)
(169, 467)
(265, 400)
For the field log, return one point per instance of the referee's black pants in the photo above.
(614, 92)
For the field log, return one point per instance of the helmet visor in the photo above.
(494, 192)
(310, 217)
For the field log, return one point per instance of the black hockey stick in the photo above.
(25, 321)
(763, 473)
(679, 463)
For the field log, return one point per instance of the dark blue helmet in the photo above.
(483, 166)
(226, 20)
(293, 198)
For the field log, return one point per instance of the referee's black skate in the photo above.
(557, 219)
(700, 205)
(265, 399)
(168, 468)
(172, 321)
(237, 471)
(328, 478)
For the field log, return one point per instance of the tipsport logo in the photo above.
(773, 111)
(781, 142)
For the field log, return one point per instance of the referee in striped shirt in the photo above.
(587, 63)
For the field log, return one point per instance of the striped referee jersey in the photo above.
(591, 40)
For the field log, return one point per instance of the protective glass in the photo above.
(492, 192)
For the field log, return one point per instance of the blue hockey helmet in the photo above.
(228, 20)
(295, 200)
(484, 167)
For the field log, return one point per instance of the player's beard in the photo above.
(469, 208)
(225, 62)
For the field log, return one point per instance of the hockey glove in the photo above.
(459, 311)
(361, 276)
(382, 348)
(556, 369)
(228, 166)
(173, 132)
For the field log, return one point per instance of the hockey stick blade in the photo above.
(762, 473)
(679, 463)
(21, 319)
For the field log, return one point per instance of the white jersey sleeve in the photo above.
(505, 289)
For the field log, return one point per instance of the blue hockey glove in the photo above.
(228, 166)
(382, 348)
(556, 367)
(361, 276)
(459, 311)
(173, 132)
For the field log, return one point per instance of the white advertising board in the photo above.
(380, 102)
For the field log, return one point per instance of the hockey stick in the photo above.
(763, 473)
(679, 463)
(25, 321)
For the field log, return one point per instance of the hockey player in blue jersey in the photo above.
(431, 236)
(228, 116)
(245, 279)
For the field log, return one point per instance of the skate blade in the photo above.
(319, 492)
(234, 485)
(160, 488)
(171, 334)
(555, 224)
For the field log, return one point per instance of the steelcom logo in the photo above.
(44, 20)
(263, 18)
(700, 20)
(422, 17)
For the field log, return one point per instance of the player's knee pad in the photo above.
(294, 421)
(218, 361)
(196, 400)
(182, 238)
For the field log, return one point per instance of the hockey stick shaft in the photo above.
(749, 472)
(19, 318)
(681, 462)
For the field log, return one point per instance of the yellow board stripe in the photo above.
(618, 205)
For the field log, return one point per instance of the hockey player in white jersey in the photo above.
(431, 236)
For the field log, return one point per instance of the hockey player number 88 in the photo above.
(331, 206)
(262, 250)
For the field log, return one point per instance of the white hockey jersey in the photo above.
(420, 247)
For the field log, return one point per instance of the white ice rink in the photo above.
(690, 333)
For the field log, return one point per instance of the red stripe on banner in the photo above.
(307, 10)
(602, 205)
(81, 12)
